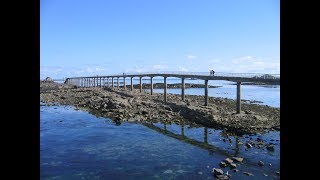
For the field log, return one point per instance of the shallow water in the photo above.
(77, 145)
(267, 95)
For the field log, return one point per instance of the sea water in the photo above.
(75, 144)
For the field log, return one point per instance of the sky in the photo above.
(105, 37)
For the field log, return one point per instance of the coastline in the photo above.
(121, 105)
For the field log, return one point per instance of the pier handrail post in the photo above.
(238, 97)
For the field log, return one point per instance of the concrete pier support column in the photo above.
(140, 84)
(151, 85)
(118, 83)
(94, 82)
(206, 92)
(183, 87)
(124, 83)
(108, 85)
(112, 82)
(131, 84)
(100, 83)
(238, 97)
(165, 89)
(205, 135)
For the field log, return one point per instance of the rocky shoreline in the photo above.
(121, 105)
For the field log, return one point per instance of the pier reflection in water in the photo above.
(75, 144)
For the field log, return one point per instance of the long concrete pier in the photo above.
(96, 81)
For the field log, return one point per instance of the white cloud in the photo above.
(180, 68)
(159, 67)
(190, 56)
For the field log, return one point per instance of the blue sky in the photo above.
(100, 37)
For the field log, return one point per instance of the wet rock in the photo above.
(222, 177)
(217, 171)
(169, 171)
(233, 166)
(260, 163)
(248, 145)
(248, 174)
(278, 173)
(237, 159)
(270, 147)
(265, 174)
(228, 160)
(223, 164)
(235, 170)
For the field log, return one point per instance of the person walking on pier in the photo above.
(211, 72)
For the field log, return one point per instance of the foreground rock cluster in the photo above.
(128, 105)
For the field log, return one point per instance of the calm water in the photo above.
(78, 145)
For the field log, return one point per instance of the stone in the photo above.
(248, 174)
(235, 170)
(217, 171)
(237, 159)
(223, 164)
(260, 163)
(277, 172)
(270, 147)
(228, 160)
(248, 145)
(222, 177)
(233, 166)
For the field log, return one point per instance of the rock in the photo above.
(237, 159)
(270, 147)
(217, 171)
(277, 172)
(228, 160)
(265, 174)
(248, 145)
(223, 164)
(248, 174)
(233, 166)
(235, 170)
(260, 163)
(169, 171)
(222, 177)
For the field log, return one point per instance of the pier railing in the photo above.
(220, 74)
